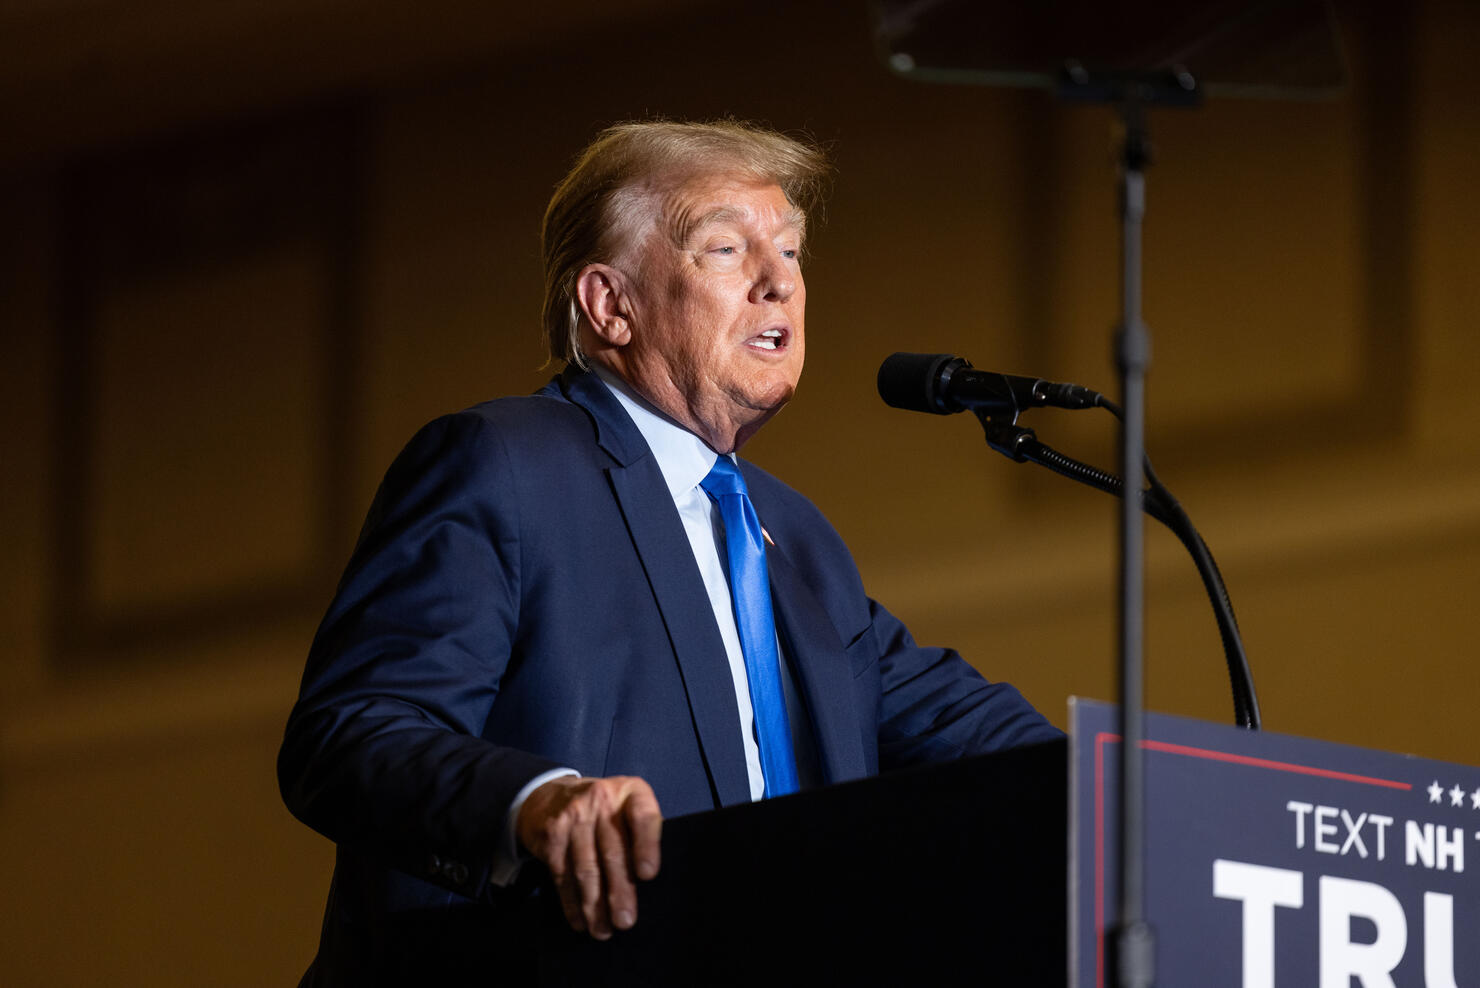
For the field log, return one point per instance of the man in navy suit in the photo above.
(532, 654)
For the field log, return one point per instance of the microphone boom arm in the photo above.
(1021, 445)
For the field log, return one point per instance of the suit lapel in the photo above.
(823, 670)
(668, 560)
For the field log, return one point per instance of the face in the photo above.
(716, 306)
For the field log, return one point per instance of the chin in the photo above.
(769, 398)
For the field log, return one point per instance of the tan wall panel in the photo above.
(209, 385)
(163, 860)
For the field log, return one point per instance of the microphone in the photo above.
(942, 384)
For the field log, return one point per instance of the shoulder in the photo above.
(798, 525)
(491, 453)
(538, 416)
(814, 551)
(514, 427)
(790, 507)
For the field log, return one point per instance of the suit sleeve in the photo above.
(383, 752)
(934, 706)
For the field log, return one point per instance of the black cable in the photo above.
(1022, 445)
(1240, 676)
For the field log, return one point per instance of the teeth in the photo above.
(765, 344)
(772, 332)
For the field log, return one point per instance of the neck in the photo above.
(723, 433)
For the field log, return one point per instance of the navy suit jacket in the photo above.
(523, 596)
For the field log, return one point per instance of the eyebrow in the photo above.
(686, 228)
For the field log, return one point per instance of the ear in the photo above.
(601, 294)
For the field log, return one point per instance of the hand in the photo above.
(595, 836)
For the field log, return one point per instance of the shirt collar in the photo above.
(683, 457)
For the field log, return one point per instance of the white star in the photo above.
(1475, 799)
(1456, 796)
(1436, 792)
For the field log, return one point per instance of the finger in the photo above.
(570, 903)
(586, 871)
(554, 850)
(645, 826)
(621, 896)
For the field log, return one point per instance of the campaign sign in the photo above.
(1279, 861)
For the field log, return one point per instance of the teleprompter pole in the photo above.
(1131, 945)
(1134, 943)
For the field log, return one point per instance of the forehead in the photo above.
(706, 200)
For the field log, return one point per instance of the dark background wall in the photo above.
(248, 249)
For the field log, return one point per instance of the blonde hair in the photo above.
(596, 208)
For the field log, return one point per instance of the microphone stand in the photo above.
(1133, 943)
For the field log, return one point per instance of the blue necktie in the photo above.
(750, 590)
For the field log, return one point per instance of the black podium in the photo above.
(1274, 860)
(951, 874)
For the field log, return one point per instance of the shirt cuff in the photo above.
(508, 859)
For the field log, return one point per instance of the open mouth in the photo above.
(775, 338)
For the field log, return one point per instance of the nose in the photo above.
(776, 281)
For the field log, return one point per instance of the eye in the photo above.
(724, 250)
(790, 253)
